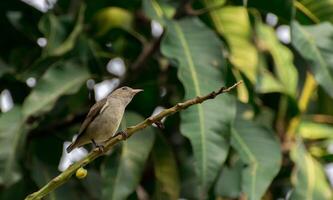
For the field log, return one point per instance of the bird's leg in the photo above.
(98, 146)
(123, 134)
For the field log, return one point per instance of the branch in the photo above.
(65, 175)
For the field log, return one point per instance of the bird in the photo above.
(103, 119)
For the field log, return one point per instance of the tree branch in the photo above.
(65, 175)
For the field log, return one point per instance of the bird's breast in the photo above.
(107, 123)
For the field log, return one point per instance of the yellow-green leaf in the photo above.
(308, 177)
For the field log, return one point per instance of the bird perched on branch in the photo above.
(104, 118)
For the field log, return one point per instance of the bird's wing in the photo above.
(97, 108)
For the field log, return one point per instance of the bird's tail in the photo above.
(71, 147)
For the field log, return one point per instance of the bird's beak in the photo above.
(137, 90)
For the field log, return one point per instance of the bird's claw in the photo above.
(98, 147)
(159, 124)
(123, 134)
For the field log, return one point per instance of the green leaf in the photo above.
(158, 10)
(267, 83)
(122, 172)
(312, 11)
(314, 43)
(313, 130)
(53, 30)
(260, 150)
(233, 23)
(11, 139)
(229, 181)
(165, 168)
(57, 42)
(65, 78)
(283, 59)
(308, 178)
(206, 125)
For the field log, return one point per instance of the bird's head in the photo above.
(125, 94)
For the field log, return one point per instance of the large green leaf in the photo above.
(206, 125)
(308, 177)
(65, 78)
(11, 139)
(315, 44)
(122, 172)
(165, 168)
(283, 59)
(233, 23)
(260, 150)
(229, 181)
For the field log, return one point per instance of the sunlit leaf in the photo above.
(206, 125)
(65, 78)
(267, 83)
(252, 142)
(11, 139)
(165, 168)
(112, 17)
(122, 172)
(284, 68)
(315, 43)
(308, 178)
(233, 23)
(313, 130)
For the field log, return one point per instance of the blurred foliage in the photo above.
(270, 139)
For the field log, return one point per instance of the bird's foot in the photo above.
(159, 124)
(123, 134)
(98, 147)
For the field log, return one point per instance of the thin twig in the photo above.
(65, 175)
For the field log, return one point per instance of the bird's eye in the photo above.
(124, 88)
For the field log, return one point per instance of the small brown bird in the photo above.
(104, 118)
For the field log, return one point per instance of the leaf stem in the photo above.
(65, 175)
(280, 122)
(303, 102)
